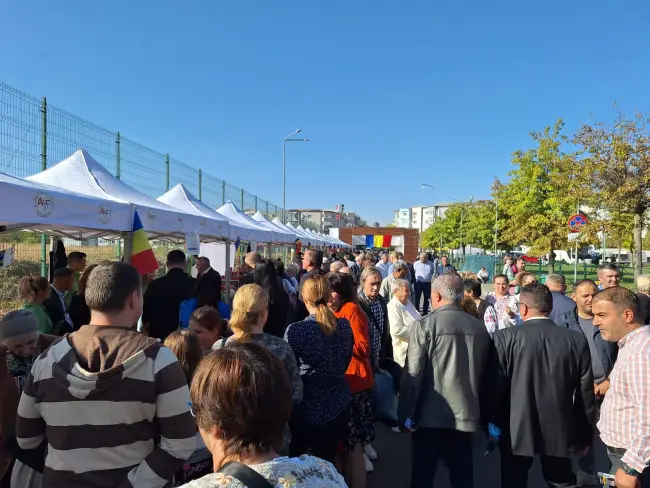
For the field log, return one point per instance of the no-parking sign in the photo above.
(577, 222)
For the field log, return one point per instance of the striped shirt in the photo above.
(128, 425)
(625, 413)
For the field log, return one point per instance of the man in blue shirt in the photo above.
(423, 275)
(443, 267)
(382, 265)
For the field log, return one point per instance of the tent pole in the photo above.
(228, 271)
(128, 246)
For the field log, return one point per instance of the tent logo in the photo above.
(151, 218)
(43, 204)
(180, 221)
(104, 214)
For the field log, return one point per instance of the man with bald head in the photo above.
(336, 266)
(250, 262)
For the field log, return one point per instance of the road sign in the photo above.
(576, 222)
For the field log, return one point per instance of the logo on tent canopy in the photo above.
(104, 214)
(43, 204)
(180, 222)
(151, 218)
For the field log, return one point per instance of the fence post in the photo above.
(560, 267)
(200, 185)
(166, 172)
(584, 270)
(256, 203)
(223, 192)
(539, 268)
(242, 199)
(43, 168)
(118, 156)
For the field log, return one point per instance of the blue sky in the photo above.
(391, 93)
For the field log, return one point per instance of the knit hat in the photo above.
(16, 323)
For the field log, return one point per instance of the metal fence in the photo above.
(35, 135)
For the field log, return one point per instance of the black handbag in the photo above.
(247, 476)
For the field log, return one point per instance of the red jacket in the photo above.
(359, 374)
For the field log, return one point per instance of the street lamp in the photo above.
(284, 167)
(433, 209)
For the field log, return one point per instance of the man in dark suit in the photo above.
(206, 273)
(542, 393)
(55, 305)
(163, 297)
(564, 311)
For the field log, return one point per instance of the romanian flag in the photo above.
(387, 241)
(379, 241)
(298, 245)
(370, 241)
(142, 258)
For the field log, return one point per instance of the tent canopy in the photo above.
(53, 210)
(232, 213)
(306, 239)
(318, 240)
(181, 199)
(80, 173)
(284, 236)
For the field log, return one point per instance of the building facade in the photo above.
(321, 219)
(419, 217)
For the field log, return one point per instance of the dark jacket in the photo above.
(386, 342)
(56, 311)
(79, 311)
(565, 311)
(212, 277)
(542, 389)
(445, 371)
(162, 302)
(278, 319)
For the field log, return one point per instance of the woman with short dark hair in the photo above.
(241, 397)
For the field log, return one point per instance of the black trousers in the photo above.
(318, 440)
(420, 288)
(455, 447)
(557, 471)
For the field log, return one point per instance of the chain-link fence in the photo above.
(34, 135)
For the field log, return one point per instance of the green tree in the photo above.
(445, 231)
(540, 197)
(479, 229)
(620, 156)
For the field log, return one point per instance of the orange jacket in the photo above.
(359, 374)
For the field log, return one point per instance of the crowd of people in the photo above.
(107, 382)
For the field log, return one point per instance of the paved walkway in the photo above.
(393, 468)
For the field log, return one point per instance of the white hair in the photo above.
(450, 287)
(643, 283)
(398, 284)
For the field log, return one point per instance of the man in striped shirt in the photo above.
(112, 404)
(625, 414)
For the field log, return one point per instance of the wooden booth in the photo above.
(404, 240)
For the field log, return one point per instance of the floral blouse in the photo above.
(303, 472)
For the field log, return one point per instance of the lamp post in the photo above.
(433, 209)
(289, 138)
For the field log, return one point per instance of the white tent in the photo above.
(319, 241)
(80, 173)
(26, 204)
(276, 221)
(232, 213)
(305, 238)
(182, 199)
(284, 236)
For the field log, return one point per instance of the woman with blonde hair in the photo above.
(250, 310)
(78, 310)
(323, 347)
(34, 290)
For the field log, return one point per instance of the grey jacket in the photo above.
(445, 369)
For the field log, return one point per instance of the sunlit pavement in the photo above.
(393, 468)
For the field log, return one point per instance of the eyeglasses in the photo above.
(189, 404)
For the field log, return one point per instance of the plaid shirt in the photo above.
(376, 327)
(625, 413)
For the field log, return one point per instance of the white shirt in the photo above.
(383, 269)
(65, 308)
(401, 319)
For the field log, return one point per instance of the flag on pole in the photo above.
(237, 243)
(298, 245)
(142, 257)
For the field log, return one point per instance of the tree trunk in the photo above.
(620, 245)
(638, 242)
(551, 262)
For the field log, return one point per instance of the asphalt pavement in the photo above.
(393, 467)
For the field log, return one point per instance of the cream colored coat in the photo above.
(401, 318)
